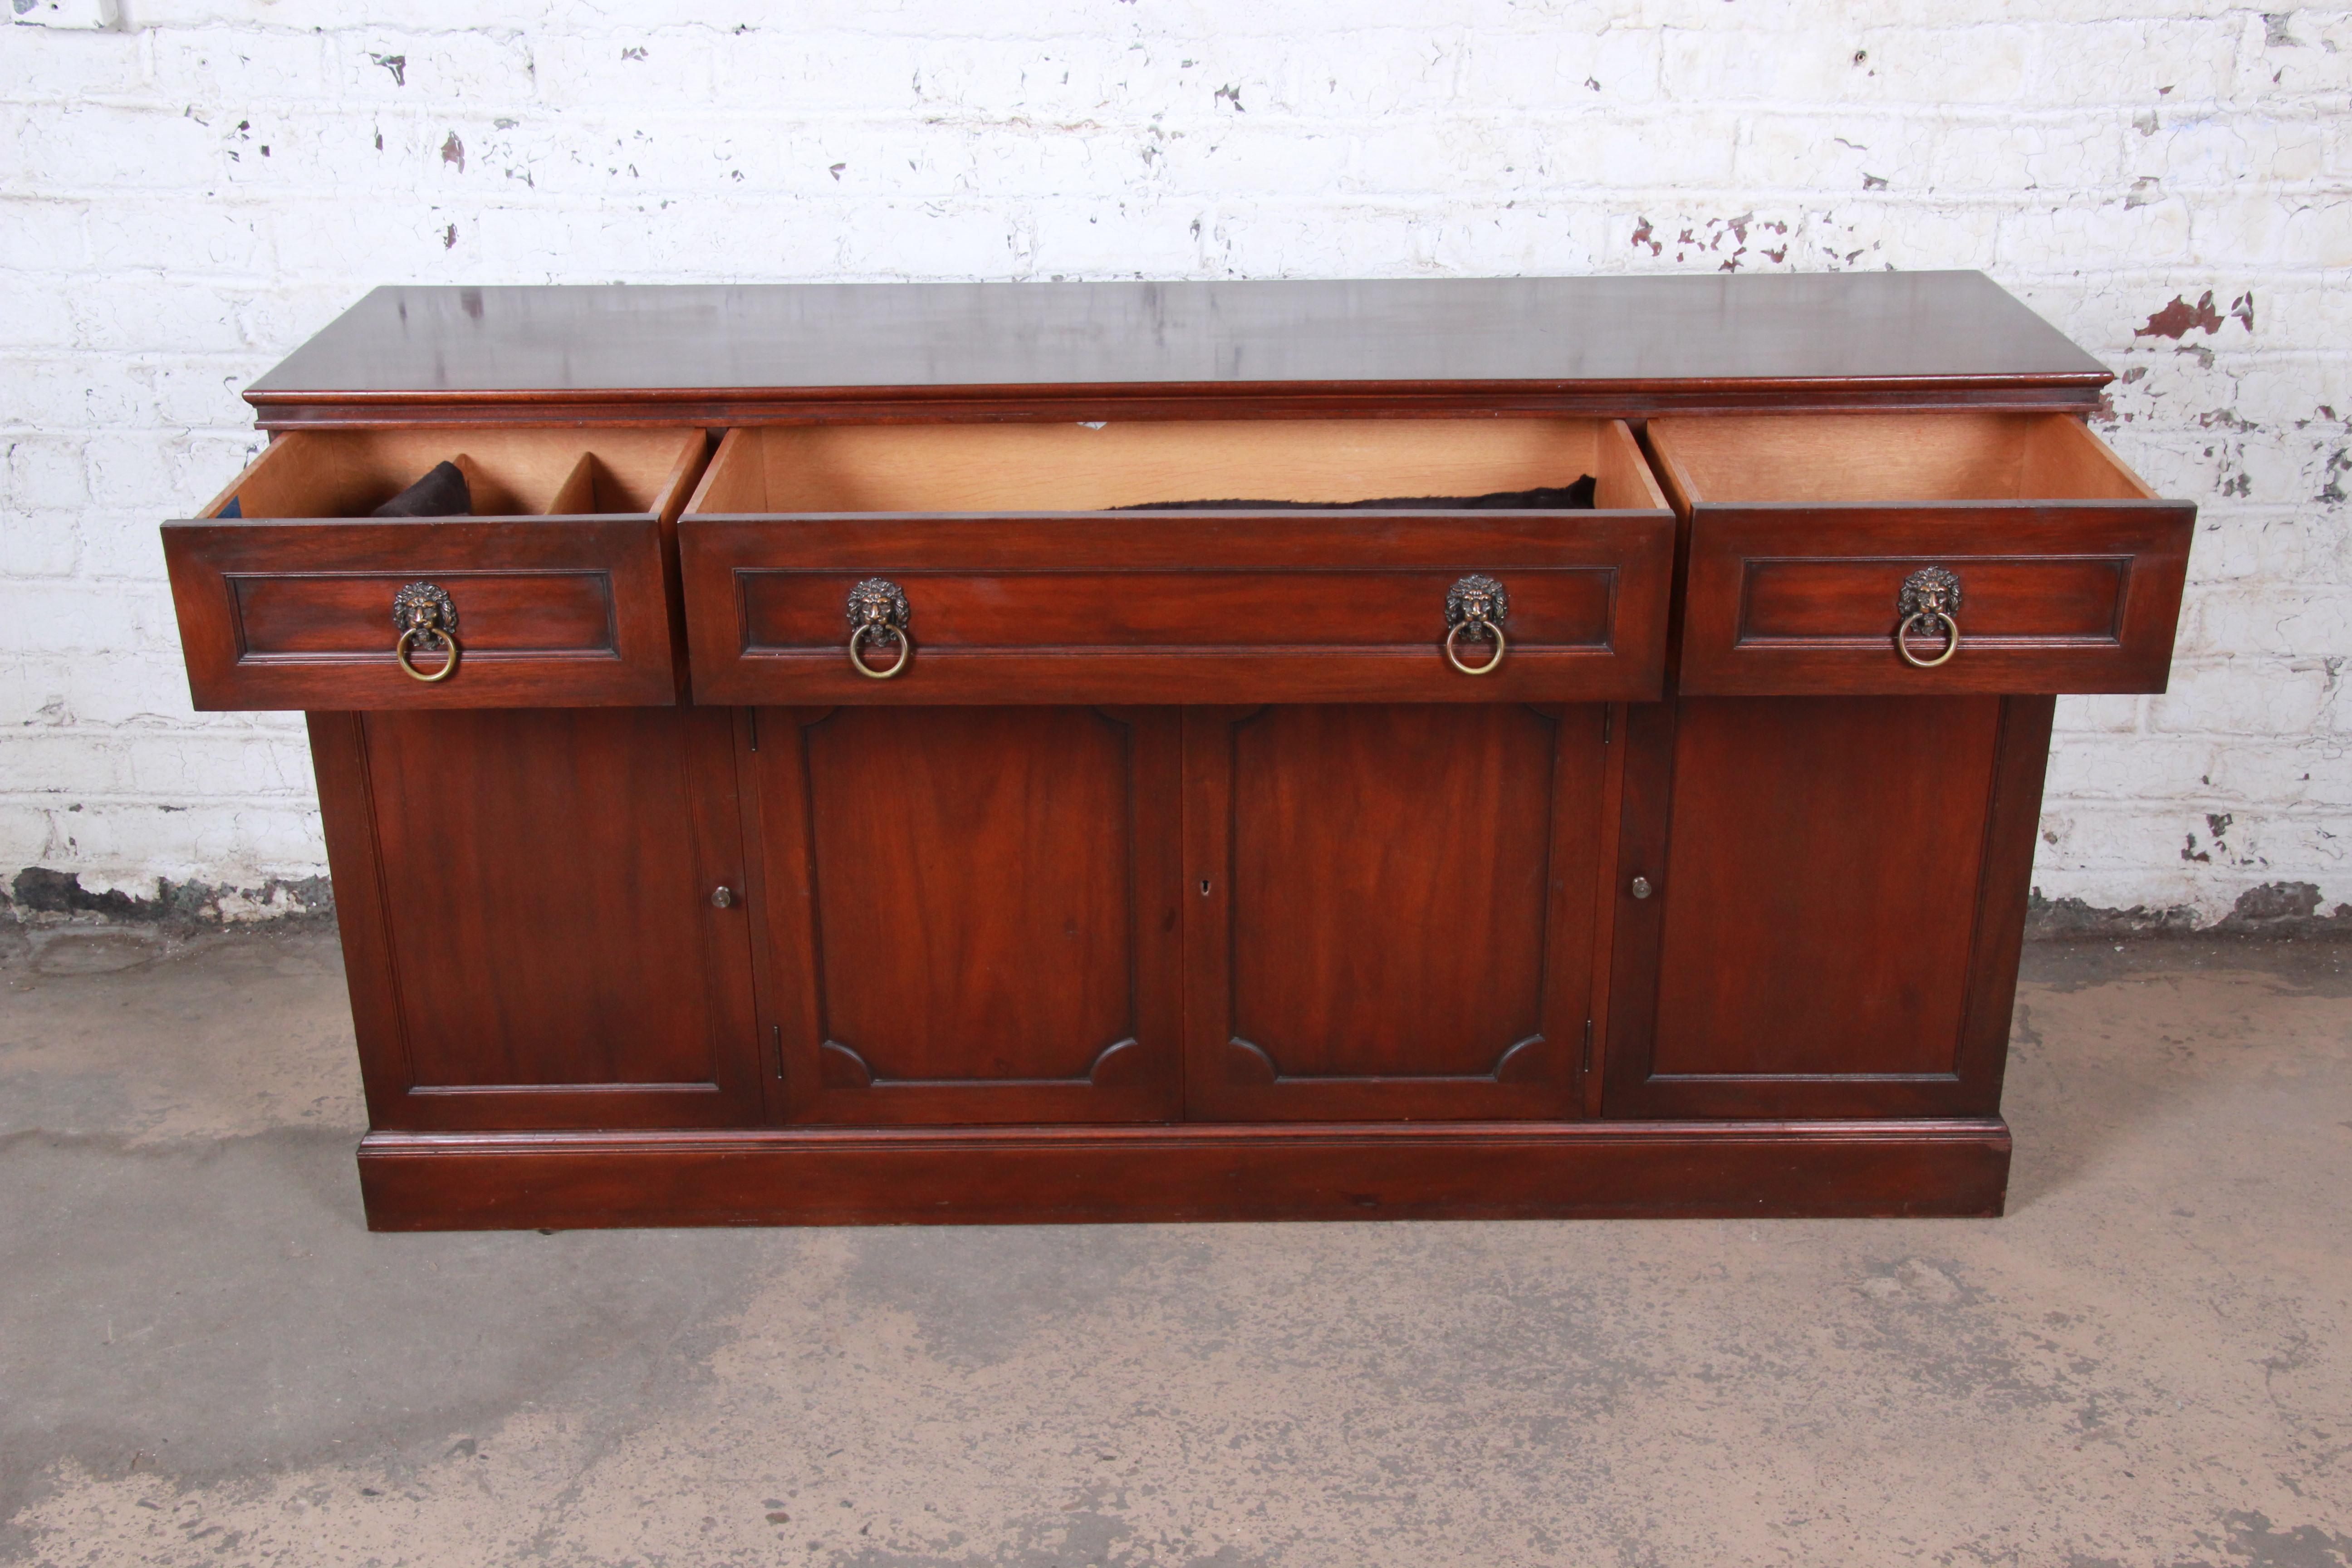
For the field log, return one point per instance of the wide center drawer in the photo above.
(1919, 554)
(1008, 559)
(554, 588)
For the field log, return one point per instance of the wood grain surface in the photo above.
(968, 914)
(1802, 531)
(1104, 1174)
(525, 902)
(723, 353)
(289, 604)
(1837, 891)
(1390, 909)
(1171, 607)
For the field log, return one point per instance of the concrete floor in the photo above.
(204, 1358)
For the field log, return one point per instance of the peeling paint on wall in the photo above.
(39, 895)
(2179, 318)
(2271, 909)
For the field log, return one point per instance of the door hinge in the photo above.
(1608, 722)
(776, 1035)
(1588, 1047)
(751, 717)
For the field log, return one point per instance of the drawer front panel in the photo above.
(285, 616)
(801, 613)
(1798, 599)
(570, 612)
(1330, 610)
(1845, 600)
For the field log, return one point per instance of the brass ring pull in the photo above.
(1455, 660)
(878, 609)
(1479, 605)
(1951, 638)
(423, 613)
(1929, 596)
(448, 665)
(875, 630)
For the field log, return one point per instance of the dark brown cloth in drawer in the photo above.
(1556, 498)
(440, 493)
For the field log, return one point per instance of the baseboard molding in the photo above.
(457, 1181)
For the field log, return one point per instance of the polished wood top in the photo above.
(1629, 344)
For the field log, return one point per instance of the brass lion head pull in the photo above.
(426, 619)
(878, 613)
(1475, 608)
(1929, 600)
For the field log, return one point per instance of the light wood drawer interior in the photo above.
(1023, 583)
(558, 579)
(347, 474)
(1922, 554)
(1889, 457)
(823, 470)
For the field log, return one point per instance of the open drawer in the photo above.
(1931, 553)
(991, 564)
(554, 589)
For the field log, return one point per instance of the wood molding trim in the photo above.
(1954, 1167)
(801, 405)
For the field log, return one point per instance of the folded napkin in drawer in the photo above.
(441, 493)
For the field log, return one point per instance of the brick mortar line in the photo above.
(1757, 201)
(146, 96)
(1146, 110)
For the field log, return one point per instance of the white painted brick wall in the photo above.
(185, 198)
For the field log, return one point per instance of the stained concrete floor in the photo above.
(205, 1359)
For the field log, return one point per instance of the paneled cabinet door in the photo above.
(530, 920)
(1390, 909)
(970, 914)
(1832, 894)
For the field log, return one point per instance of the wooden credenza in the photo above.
(840, 808)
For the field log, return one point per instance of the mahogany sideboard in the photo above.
(804, 791)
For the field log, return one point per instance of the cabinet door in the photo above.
(525, 898)
(1390, 909)
(968, 914)
(1835, 893)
